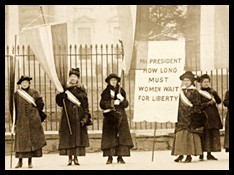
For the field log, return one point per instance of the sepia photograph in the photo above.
(117, 87)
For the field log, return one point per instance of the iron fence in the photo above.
(95, 63)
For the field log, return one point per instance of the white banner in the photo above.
(127, 23)
(157, 87)
(40, 41)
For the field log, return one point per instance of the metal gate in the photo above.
(95, 63)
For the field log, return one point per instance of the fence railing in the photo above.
(96, 63)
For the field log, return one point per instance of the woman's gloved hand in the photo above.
(84, 120)
(63, 95)
(120, 97)
(117, 102)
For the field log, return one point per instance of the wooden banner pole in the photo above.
(155, 127)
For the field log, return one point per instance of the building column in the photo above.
(12, 24)
(214, 37)
(221, 36)
(207, 37)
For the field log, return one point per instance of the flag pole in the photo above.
(42, 15)
(64, 105)
(13, 103)
(11, 150)
(155, 127)
(122, 71)
(68, 121)
(121, 78)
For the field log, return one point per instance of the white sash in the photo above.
(26, 96)
(206, 95)
(184, 99)
(72, 98)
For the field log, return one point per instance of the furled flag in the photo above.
(48, 42)
(127, 22)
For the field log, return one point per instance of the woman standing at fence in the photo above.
(29, 134)
(73, 136)
(211, 136)
(226, 138)
(116, 137)
(186, 140)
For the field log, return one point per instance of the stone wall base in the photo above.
(142, 139)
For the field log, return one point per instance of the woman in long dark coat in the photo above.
(211, 136)
(29, 134)
(116, 137)
(226, 138)
(73, 144)
(186, 140)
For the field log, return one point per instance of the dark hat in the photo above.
(113, 75)
(202, 77)
(189, 75)
(24, 78)
(75, 71)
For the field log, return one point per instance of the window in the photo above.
(84, 35)
(116, 34)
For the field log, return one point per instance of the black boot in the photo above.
(20, 163)
(30, 162)
(76, 160)
(109, 160)
(179, 159)
(201, 157)
(120, 160)
(188, 159)
(210, 156)
(69, 160)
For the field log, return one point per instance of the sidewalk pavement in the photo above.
(139, 160)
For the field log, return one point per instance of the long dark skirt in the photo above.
(226, 138)
(211, 140)
(120, 150)
(186, 143)
(78, 151)
(36, 153)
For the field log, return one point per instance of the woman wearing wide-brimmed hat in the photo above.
(116, 137)
(209, 101)
(77, 107)
(29, 134)
(187, 141)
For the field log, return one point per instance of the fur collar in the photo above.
(78, 85)
(113, 88)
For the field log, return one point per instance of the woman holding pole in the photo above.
(29, 134)
(116, 137)
(73, 136)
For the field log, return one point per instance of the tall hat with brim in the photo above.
(189, 75)
(113, 75)
(202, 77)
(24, 78)
(75, 71)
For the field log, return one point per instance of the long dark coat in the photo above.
(29, 134)
(185, 113)
(187, 140)
(110, 128)
(213, 117)
(226, 103)
(79, 137)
